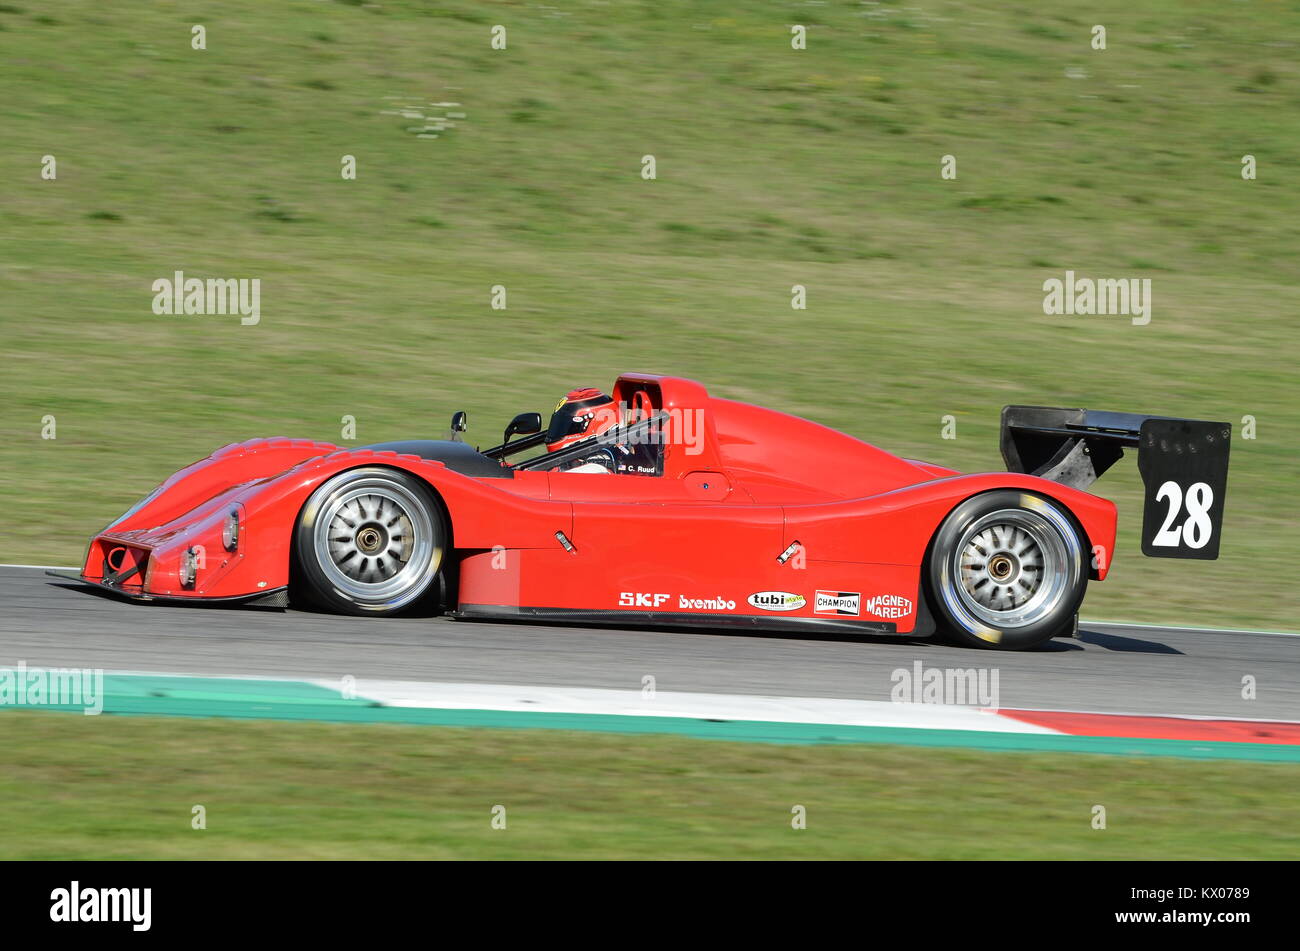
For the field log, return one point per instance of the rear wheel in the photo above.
(369, 541)
(1006, 570)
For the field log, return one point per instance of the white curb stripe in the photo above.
(695, 706)
(1184, 627)
(44, 567)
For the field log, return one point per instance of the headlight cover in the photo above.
(230, 530)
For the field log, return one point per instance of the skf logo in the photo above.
(889, 605)
(636, 599)
(777, 601)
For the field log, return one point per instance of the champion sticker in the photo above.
(844, 603)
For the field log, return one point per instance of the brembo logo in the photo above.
(704, 604)
(777, 601)
(888, 605)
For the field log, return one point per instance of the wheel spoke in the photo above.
(376, 540)
(1008, 566)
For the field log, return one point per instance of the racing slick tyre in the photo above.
(1006, 570)
(369, 541)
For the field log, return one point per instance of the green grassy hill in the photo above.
(775, 167)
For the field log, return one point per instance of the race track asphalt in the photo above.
(1109, 668)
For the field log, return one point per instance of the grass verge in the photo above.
(81, 787)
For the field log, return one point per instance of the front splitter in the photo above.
(270, 598)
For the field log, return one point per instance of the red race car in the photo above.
(660, 504)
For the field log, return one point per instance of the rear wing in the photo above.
(1183, 463)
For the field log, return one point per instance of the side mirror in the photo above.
(459, 423)
(525, 424)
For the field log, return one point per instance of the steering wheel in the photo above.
(603, 456)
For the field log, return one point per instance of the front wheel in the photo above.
(1006, 570)
(369, 541)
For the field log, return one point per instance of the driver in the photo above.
(580, 415)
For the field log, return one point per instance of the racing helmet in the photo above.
(579, 415)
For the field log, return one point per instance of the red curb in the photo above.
(1161, 728)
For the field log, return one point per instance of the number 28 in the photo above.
(1196, 529)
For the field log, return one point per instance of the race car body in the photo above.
(693, 510)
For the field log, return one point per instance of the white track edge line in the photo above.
(1185, 627)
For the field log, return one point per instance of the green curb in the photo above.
(146, 695)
